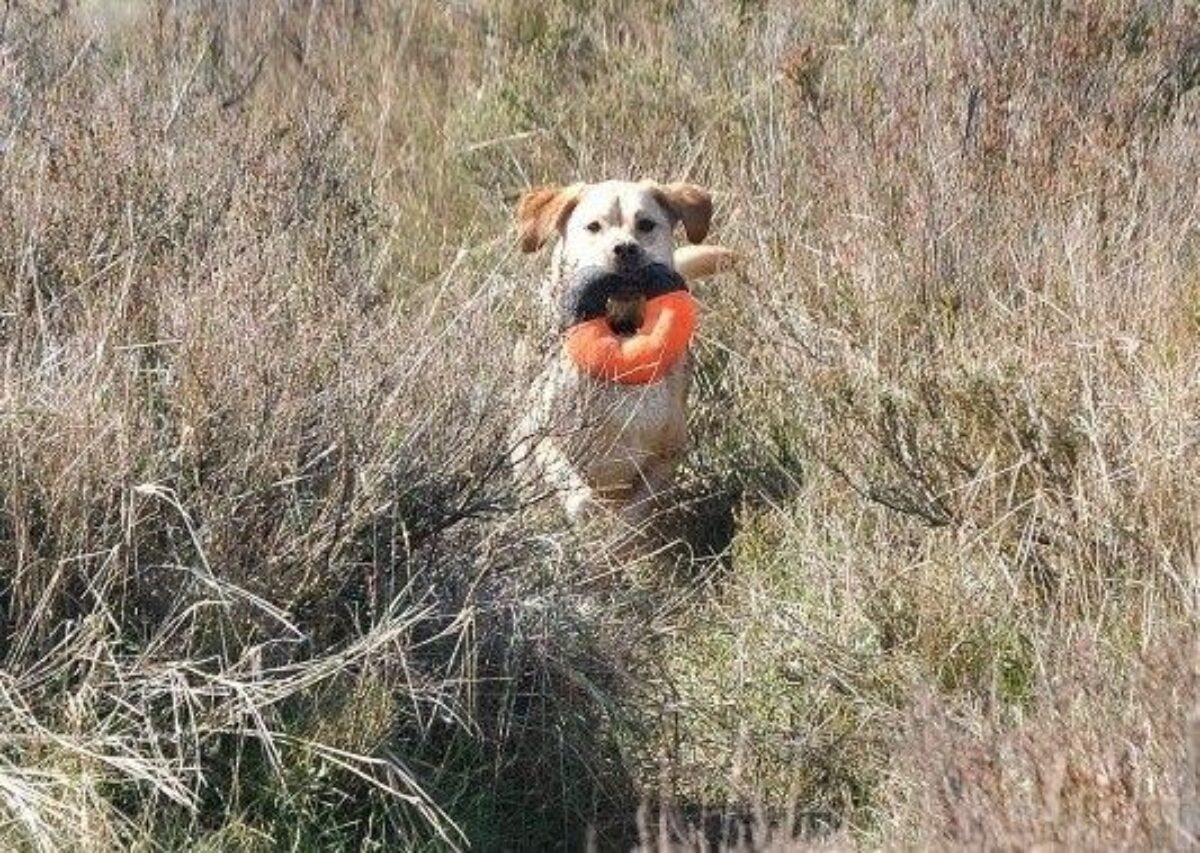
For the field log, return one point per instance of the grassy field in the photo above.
(266, 581)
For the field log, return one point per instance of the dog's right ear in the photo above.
(689, 204)
(542, 211)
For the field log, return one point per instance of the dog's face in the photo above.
(617, 227)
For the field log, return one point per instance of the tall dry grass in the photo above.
(266, 580)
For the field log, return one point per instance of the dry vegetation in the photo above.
(266, 581)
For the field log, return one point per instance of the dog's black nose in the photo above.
(627, 253)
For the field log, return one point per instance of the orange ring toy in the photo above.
(644, 357)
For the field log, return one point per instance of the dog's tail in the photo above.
(700, 261)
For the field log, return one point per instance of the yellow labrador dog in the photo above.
(598, 443)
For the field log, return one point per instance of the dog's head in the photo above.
(621, 228)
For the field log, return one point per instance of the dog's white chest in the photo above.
(613, 437)
(624, 434)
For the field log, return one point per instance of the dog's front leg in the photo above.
(656, 475)
(542, 460)
(577, 497)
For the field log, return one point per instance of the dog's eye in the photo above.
(645, 225)
(594, 227)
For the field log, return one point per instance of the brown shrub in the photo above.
(263, 573)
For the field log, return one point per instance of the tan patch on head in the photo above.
(542, 211)
(690, 204)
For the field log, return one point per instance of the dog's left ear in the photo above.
(542, 211)
(690, 204)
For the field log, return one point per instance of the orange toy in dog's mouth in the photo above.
(648, 354)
